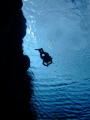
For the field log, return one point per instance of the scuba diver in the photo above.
(47, 60)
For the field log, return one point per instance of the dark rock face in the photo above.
(15, 83)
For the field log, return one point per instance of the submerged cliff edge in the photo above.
(16, 88)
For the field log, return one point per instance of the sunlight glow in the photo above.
(62, 29)
(28, 31)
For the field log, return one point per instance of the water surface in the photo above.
(61, 28)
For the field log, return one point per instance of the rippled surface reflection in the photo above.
(61, 28)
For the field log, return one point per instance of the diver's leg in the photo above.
(45, 64)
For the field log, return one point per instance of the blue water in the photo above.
(61, 28)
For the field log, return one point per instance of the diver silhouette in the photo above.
(47, 60)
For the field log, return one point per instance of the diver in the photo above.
(47, 60)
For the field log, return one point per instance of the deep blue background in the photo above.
(61, 28)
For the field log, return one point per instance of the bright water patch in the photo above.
(61, 28)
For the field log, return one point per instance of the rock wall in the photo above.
(16, 88)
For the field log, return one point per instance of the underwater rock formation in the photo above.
(16, 87)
